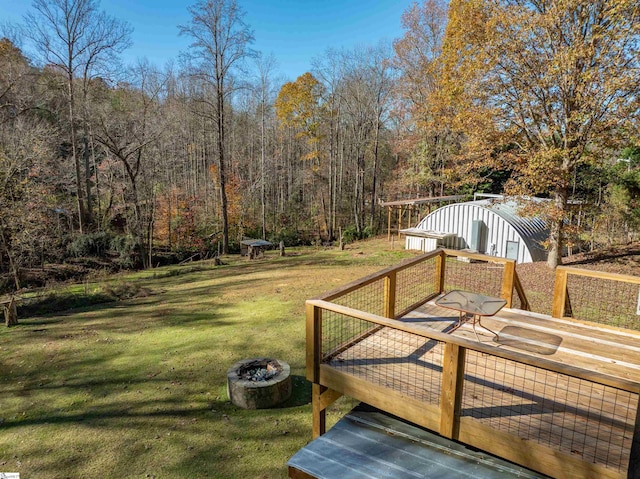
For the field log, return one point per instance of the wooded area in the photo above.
(100, 159)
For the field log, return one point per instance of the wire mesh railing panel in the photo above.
(368, 298)
(340, 332)
(578, 417)
(478, 277)
(604, 301)
(400, 361)
(415, 284)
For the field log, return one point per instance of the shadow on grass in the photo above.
(39, 322)
(301, 392)
(111, 293)
(110, 415)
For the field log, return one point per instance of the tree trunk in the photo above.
(332, 178)
(221, 170)
(360, 193)
(12, 264)
(76, 160)
(87, 155)
(11, 313)
(263, 197)
(138, 227)
(556, 240)
(374, 181)
(97, 177)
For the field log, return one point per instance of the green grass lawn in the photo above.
(137, 388)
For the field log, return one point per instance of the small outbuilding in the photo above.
(254, 247)
(489, 226)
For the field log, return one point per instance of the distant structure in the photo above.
(404, 210)
(489, 226)
(254, 247)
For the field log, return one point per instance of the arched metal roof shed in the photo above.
(489, 226)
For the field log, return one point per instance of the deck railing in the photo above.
(597, 296)
(560, 420)
(399, 289)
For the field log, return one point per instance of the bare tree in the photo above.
(76, 38)
(126, 130)
(220, 44)
(328, 70)
(265, 65)
(366, 88)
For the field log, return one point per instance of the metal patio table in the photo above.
(472, 306)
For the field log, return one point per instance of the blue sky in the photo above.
(295, 31)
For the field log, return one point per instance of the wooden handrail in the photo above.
(510, 280)
(562, 368)
(598, 274)
(560, 293)
(372, 278)
(478, 256)
(441, 262)
(390, 295)
(561, 302)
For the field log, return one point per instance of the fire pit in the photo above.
(258, 383)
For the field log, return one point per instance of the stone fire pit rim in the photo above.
(234, 369)
(250, 394)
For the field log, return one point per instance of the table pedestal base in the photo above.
(475, 319)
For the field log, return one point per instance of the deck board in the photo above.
(572, 415)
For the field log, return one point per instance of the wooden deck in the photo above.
(552, 394)
(592, 421)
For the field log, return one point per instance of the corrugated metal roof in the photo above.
(256, 242)
(369, 444)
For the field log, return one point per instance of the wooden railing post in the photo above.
(559, 293)
(321, 396)
(390, 295)
(451, 394)
(508, 280)
(634, 459)
(524, 302)
(314, 342)
(441, 261)
(318, 414)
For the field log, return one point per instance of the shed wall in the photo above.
(458, 219)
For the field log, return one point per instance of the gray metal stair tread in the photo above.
(373, 445)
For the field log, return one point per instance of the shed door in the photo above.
(512, 249)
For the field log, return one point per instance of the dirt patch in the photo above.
(621, 260)
(538, 282)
